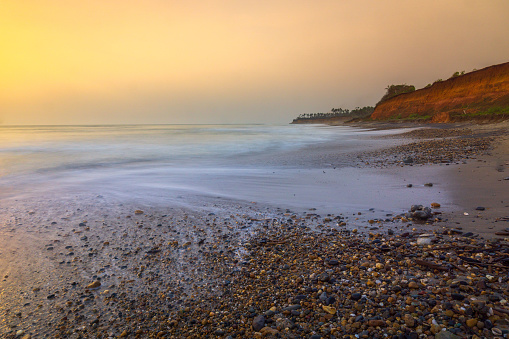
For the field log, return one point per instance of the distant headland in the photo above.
(480, 95)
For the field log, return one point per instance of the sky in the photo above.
(237, 61)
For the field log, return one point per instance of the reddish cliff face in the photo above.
(451, 99)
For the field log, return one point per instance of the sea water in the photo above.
(298, 166)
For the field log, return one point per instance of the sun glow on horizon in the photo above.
(226, 61)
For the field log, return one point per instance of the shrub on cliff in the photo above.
(394, 90)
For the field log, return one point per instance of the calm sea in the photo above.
(290, 165)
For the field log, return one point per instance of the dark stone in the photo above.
(333, 262)
(409, 185)
(408, 161)
(429, 184)
(457, 296)
(356, 296)
(269, 313)
(330, 301)
(324, 277)
(292, 307)
(468, 234)
(480, 208)
(447, 306)
(493, 298)
(258, 323)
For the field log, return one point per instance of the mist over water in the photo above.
(288, 166)
(87, 156)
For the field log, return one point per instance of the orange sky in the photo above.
(153, 61)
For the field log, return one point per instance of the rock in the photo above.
(138, 212)
(283, 323)
(258, 323)
(269, 331)
(480, 208)
(409, 185)
(328, 309)
(94, 285)
(425, 239)
(413, 285)
(409, 320)
(446, 335)
(421, 215)
(457, 296)
(435, 328)
(324, 277)
(377, 323)
(408, 161)
(429, 184)
(435, 205)
(356, 296)
(471, 322)
(333, 262)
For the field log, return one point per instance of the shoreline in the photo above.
(215, 272)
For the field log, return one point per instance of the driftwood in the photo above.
(501, 310)
(430, 265)
(458, 268)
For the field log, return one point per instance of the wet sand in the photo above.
(100, 268)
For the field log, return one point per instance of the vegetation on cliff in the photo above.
(394, 90)
(336, 113)
(479, 95)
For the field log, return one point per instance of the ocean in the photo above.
(288, 166)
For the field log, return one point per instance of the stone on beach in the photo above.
(94, 285)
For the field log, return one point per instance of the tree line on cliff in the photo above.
(358, 112)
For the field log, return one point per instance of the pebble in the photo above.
(328, 309)
(94, 285)
(258, 323)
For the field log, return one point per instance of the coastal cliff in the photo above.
(480, 94)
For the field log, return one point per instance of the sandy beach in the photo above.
(252, 266)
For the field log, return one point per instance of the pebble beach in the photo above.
(238, 269)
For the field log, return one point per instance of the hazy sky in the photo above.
(162, 61)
